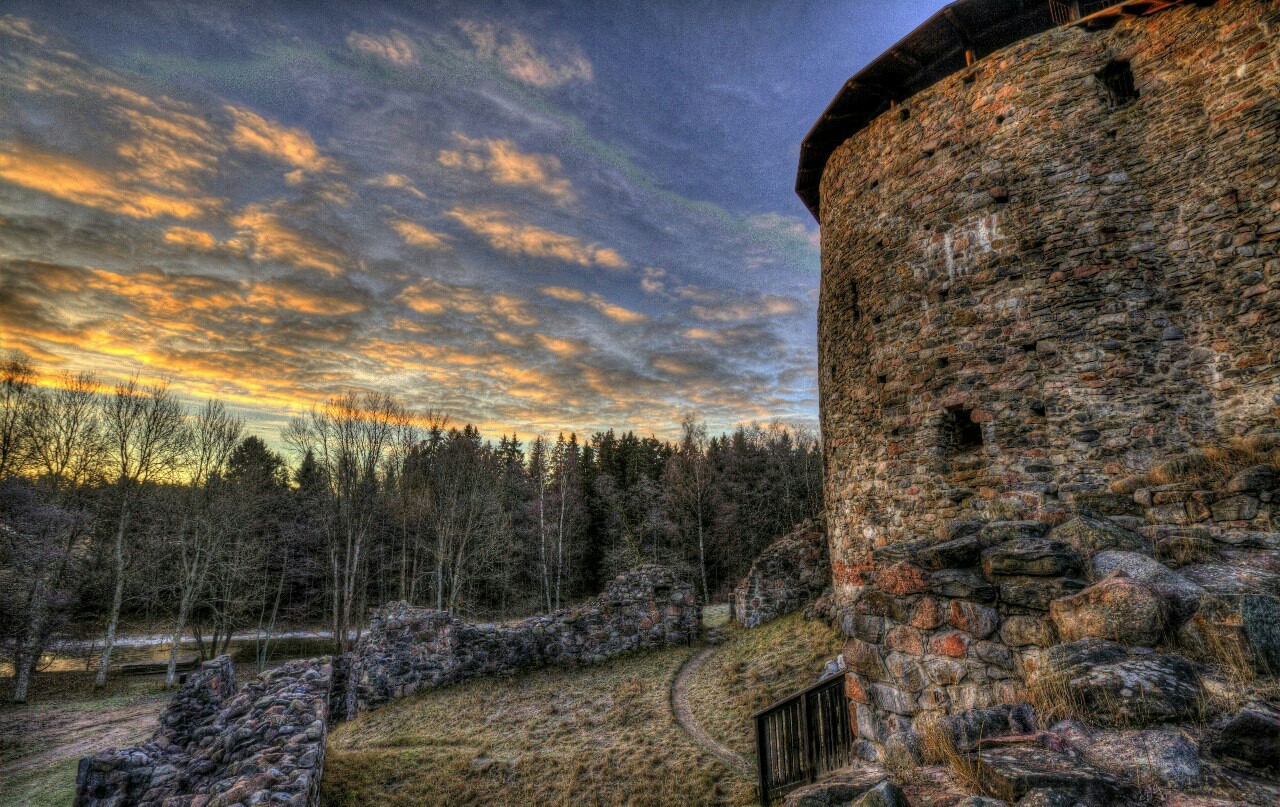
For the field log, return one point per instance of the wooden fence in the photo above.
(802, 737)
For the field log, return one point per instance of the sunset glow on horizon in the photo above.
(483, 209)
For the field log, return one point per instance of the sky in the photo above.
(533, 216)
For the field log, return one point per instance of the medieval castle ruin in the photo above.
(1049, 348)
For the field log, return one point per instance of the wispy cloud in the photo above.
(614, 312)
(417, 235)
(394, 47)
(271, 239)
(289, 145)
(516, 53)
(69, 179)
(504, 164)
(507, 234)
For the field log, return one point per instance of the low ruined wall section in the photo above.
(219, 746)
(409, 648)
(792, 572)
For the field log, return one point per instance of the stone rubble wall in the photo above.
(408, 648)
(1136, 622)
(222, 747)
(788, 575)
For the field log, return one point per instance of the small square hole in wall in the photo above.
(904, 114)
(1118, 87)
(943, 362)
(960, 434)
(882, 380)
(1038, 409)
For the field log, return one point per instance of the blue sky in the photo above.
(535, 216)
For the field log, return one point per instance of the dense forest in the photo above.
(123, 504)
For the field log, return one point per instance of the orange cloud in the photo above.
(252, 132)
(185, 237)
(516, 54)
(767, 306)
(394, 47)
(560, 347)
(614, 312)
(417, 235)
(273, 240)
(276, 294)
(518, 238)
(398, 181)
(430, 296)
(504, 164)
(73, 181)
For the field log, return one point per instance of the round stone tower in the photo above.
(1049, 265)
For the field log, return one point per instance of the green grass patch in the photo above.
(50, 786)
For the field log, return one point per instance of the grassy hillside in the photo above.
(753, 669)
(601, 735)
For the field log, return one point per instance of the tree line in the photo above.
(123, 503)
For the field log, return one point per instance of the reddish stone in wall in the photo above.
(952, 643)
(905, 639)
(902, 578)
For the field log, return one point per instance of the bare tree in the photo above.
(688, 488)
(349, 437)
(17, 393)
(147, 435)
(214, 433)
(539, 474)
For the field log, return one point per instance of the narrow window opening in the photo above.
(905, 114)
(961, 435)
(1117, 84)
(855, 312)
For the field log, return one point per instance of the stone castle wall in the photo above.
(1026, 294)
(1030, 298)
(789, 574)
(407, 648)
(219, 746)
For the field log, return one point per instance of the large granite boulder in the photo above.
(1116, 685)
(1116, 608)
(1250, 738)
(1181, 596)
(1089, 534)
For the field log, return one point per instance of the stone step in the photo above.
(1015, 771)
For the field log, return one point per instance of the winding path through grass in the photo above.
(685, 715)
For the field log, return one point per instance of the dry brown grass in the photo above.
(1210, 466)
(755, 668)
(601, 735)
(938, 747)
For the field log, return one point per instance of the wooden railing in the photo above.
(802, 737)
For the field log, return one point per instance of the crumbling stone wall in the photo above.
(789, 574)
(409, 648)
(218, 746)
(1030, 297)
